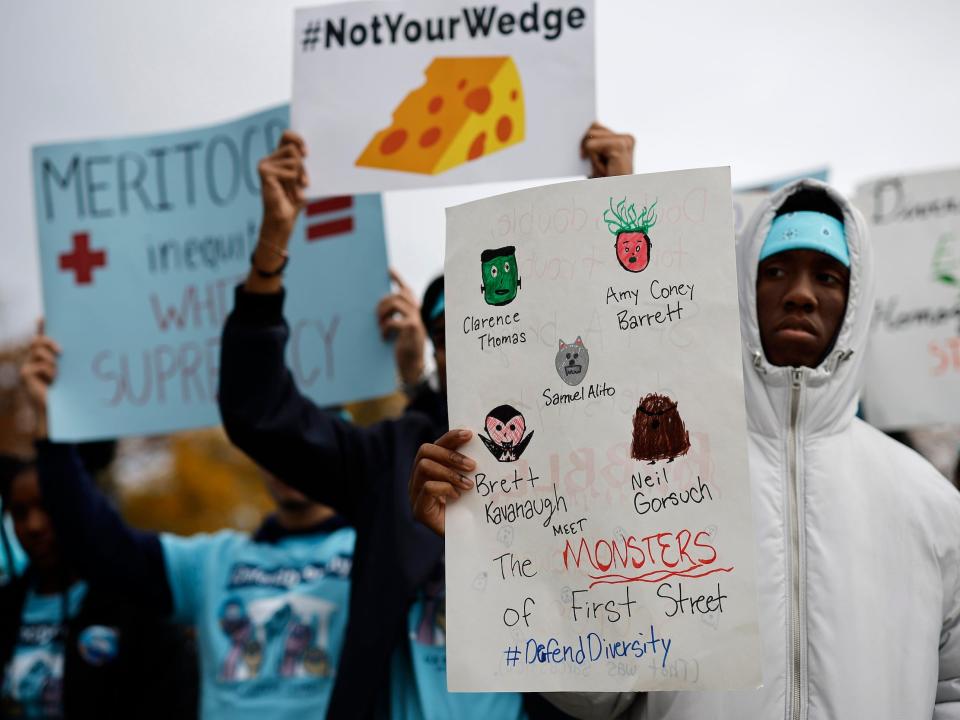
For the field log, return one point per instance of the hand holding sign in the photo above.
(437, 478)
(399, 317)
(609, 153)
(38, 373)
(282, 182)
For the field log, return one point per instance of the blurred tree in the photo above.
(204, 484)
(368, 412)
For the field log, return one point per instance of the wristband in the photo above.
(270, 273)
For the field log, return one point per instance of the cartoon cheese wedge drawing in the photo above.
(469, 107)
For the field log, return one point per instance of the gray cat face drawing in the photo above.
(572, 361)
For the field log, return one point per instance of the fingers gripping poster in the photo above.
(142, 241)
(428, 92)
(593, 346)
(913, 366)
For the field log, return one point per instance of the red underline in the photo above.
(649, 577)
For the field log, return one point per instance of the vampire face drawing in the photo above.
(505, 427)
(501, 277)
(572, 361)
(658, 430)
(631, 231)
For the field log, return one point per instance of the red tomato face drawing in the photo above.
(633, 251)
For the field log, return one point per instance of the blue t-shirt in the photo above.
(33, 679)
(270, 619)
(418, 672)
(19, 557)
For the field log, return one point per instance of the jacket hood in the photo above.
(833, 387)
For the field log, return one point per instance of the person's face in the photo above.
(31, 523)
(438, 337)
(286, 497)
(801, 301)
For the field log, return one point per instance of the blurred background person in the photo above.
(269, 609)
(70, 647)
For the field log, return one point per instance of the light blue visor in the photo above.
(807, 230)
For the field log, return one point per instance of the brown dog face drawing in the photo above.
(658, 430)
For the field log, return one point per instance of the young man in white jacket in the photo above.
(858, 536)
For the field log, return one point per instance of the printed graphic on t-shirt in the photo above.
(283, 632)
(270, 619)
(33, 682)
(285, 636)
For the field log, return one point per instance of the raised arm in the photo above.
(92, 535)
(263, 411)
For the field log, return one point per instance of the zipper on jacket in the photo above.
(796, 386)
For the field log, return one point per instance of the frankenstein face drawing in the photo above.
(501, 279)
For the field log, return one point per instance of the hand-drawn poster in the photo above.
(429, 92)
(593, 346)
(913, 360)
(142, 241)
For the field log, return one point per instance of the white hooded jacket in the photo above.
(858, 539)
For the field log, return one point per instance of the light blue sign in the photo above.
(142, 241)
(822, 174)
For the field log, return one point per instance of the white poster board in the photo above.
(429, 92)
(913, 361)
(609, 535)
(745, 204)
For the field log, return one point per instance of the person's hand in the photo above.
(609, 153)
(399, 317)
(283, 180)
(438, 478)
(38, 372)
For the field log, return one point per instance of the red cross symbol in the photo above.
(81, 260)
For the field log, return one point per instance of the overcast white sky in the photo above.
(868, 87)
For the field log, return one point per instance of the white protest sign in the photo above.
(913, 361)
(425, 93)
(745, 204)
(593, 345)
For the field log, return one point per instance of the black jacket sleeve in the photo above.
(95, 539)
(266, 415)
